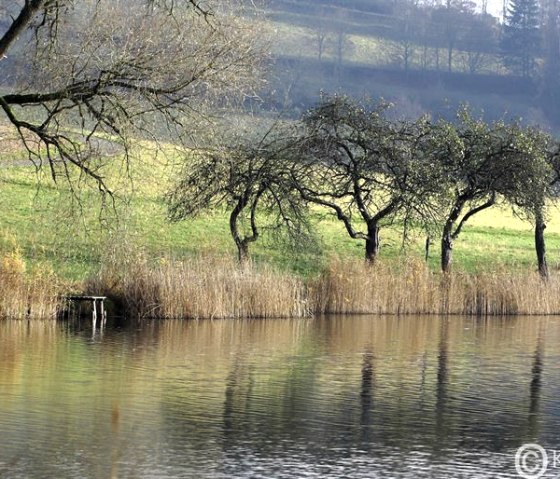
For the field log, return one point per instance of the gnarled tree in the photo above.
(361, 166)
(481, 164)
(540, 166)
(249, 177)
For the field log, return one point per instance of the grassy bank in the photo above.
(50, 230)
(51, 244)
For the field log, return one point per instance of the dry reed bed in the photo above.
(220, 288)
(205, 288)
(28, 296)
(354, 287)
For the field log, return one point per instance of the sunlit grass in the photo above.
(61, 243)
(71, 234)
(49, 228)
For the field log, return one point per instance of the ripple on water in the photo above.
(357, 397)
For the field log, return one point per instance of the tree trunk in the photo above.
(243, 252)
(372, 242)
(241, 243)
(427, 248)
(540, 246)
(406, 56)
(446, 250)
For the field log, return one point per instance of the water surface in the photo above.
(337, 397)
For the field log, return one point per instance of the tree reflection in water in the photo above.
(329, 397)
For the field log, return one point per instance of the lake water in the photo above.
(334, 397)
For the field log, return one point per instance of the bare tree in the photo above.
(480, 39)
(250, 177)
(550, 86)
(321, 32)
(119, 68)
(451, 19)
(409, 28)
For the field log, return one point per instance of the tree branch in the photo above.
(473, 212)
(336, 208)
(20, 23)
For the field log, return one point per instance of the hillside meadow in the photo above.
(53, 242)
(72, 235)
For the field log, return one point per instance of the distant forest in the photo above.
(427, 55)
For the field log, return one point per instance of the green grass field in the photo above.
(52, 230)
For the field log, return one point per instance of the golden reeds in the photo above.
(206, 288)
(355, 287)
(211, 287)
(215, 287)
(27, 295)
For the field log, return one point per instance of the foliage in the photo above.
(368, 170)
(248, 176)
(483, 163)
(347, 163)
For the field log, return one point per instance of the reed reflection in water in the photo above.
(352, 397)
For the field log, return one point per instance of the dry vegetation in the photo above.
(25, 294)
(217, 287)
(214, 287)
(211, 287)
(355, 287)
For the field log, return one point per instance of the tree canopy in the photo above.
(250, 177)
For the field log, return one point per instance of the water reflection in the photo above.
(441, 385)
(330, 397)
(366, 398)
(536, 385)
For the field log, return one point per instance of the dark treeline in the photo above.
(452, 37)
(481, 83)
(370, 171)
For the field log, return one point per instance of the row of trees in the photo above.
(369, 171)
(441, 35)
(100, 66)
(424, 32)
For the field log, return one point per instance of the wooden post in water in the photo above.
(94, 300)
(94, 315)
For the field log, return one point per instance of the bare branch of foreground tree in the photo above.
(119, 69)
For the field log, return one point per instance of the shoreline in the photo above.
(219, 288)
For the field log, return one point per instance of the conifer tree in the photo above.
(550, 87)
(521, 36)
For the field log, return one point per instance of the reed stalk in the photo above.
(27, 295)
(210, 287)
(356, 287)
